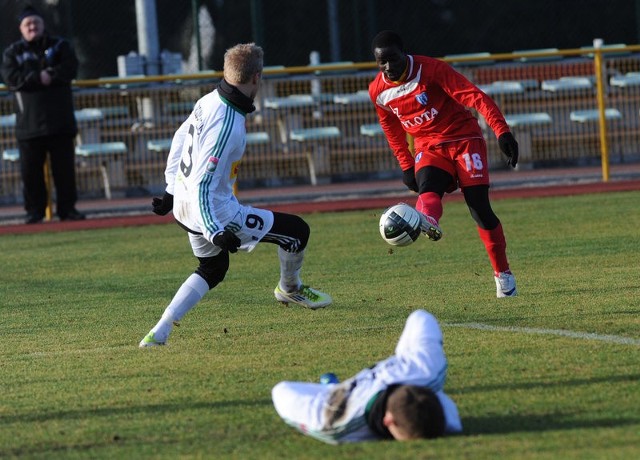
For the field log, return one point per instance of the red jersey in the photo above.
(431, 105)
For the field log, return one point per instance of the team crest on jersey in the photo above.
(418, 157)
(422, 98)
(212, 164)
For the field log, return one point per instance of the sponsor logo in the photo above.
(418, 156)
(424, 117)
(422, 98)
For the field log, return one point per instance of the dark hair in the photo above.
(385, 39)
(417, 411)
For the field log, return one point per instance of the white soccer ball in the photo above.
(400, 225)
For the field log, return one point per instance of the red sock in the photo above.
(430, 203)
(496, 247)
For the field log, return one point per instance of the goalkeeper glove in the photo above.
(162, 206)
(509, 147)
(227, 241)
(409, 179)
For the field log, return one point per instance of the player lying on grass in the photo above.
(427, 99)
(399, 398)
(202, 168)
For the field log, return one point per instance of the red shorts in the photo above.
(465, 160)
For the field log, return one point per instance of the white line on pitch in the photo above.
(559, 332)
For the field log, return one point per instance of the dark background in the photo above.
(290, 29)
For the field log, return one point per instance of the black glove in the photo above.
(409, 179)
(162, 206)
(227, 241)
(509, 147)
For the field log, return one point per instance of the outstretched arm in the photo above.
(300, 405)
(421, 343)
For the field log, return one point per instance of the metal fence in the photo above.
(316, 124)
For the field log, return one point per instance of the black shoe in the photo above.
(34, 218)
(73, 215)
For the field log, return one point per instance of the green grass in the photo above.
(73, 307)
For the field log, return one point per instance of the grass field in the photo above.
(551, 374)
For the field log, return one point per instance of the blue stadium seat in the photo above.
(528, 119)
(102, 152)
(586, 116)
(371, 130)
(12, 155)
(315, 153)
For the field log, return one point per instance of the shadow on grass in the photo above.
(147, 410)
(533, 385)
(513, 423)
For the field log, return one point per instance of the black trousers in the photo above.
(33, 154)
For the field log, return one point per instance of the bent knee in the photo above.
(213, 269)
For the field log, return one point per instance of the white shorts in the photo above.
(249, 224)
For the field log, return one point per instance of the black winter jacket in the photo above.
(41, 110)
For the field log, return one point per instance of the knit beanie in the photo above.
(28, 11)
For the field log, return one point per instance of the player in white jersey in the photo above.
(399, 398)
(202, 166)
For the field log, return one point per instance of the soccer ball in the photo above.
(400, 225)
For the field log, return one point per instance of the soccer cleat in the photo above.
(150, 341)
(430, 227)
(305, 296)
(506, 285)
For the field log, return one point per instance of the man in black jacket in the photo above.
(39, 69)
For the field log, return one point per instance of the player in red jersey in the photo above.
(428, 99)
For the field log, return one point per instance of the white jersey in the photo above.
(202, 165)
(419, 359)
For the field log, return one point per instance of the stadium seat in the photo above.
(625, 81)
(586, 116)
(11, 177)
(12, 155)
(528, 119)
(567, 84)
(538, 55)
(467, 59)
(179, 108)
(159, 145)
(163, 145)
(314, 137)
(502, 88)
(371, 130)
(103, 152)
(315, 134)
(359, 97)
(289, 102)
(8, 121)
(258, 137)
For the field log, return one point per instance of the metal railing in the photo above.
(316, 123)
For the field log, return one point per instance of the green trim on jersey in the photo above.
(231, 104)
(332, 435)
(206, 210)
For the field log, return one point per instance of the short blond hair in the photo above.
(242, 62)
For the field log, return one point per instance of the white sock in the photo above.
(189, 294)
(290, 266)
